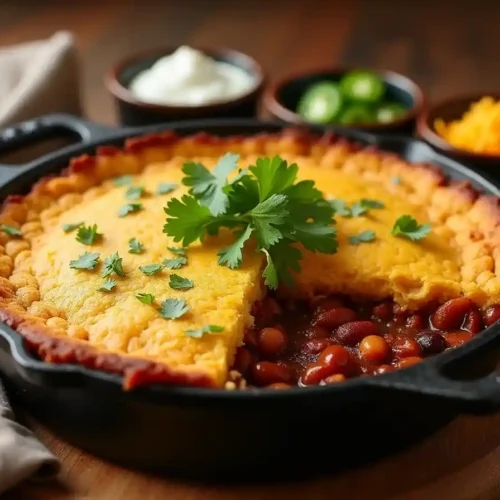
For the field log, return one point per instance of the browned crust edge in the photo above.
(51, 348)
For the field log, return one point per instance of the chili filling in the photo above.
(334, 338)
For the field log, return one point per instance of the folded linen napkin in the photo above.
(35, 78)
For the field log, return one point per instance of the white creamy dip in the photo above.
(190, 78)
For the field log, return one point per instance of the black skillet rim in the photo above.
(406, 379)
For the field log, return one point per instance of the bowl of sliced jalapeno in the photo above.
(356, 98)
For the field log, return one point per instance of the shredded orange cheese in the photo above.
(477, 131)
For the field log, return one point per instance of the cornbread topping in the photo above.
(188, 77)
(104, 266)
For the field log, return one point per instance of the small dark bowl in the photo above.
(453, 109)
(281, 99)
(134, 112)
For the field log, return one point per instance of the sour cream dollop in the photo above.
(189, 77)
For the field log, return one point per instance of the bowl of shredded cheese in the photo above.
(467, 128)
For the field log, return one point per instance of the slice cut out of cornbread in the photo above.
(65, 318)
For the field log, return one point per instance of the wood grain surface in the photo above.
(447, 47)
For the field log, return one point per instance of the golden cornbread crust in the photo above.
(45, 330)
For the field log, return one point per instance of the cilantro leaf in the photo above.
(177, 282)
(266, 216)
(177, 250)
(232, 255)
(407, 227)
(151, 269)
(208, 187)
(135, 246)
(396, 180)
(273, 175)
(145, 298)
(176, 263)
(281, 258)
(363, 237)
(86, 261)
(165, 188)
(129, 208)
(316, 237)
(124, 180)
(107, 286)
(197, 334)
(305, 202)
(113, 264)
(10, 230)
(340, 207)
(243, 195)
(71, 227)
(173, 308)
(134, 192)
(362, 206)
(188, 220)
(87, 235)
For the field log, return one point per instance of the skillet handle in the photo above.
(24, 134)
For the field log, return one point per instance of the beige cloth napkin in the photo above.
(36, 78)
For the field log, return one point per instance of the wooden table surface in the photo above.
(447, 47)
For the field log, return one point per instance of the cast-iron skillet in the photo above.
(251, 434)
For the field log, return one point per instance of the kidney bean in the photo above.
(271, 341)
(431, 342)
(473, 322)
(322, 303)
(250, 337)
(317, 332)
(399, 312)
(451, 314)
(279, 385)
(383, 311)
(404, 347)
(415, 321)
(456, 339)
(314, 374)
(334, 379)
(492, 314)
(314, 346)
(333, 318)
(383, 369)
(374, 348)
(337, 359)
(355, 331)
(407, 362)
(242, 360)
(267, 373)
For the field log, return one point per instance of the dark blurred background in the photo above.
(447, 47)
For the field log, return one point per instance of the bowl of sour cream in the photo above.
(185, 83)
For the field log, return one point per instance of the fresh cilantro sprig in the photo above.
(151, 269)
(362, 237)
(10, 230)
(107, 286)
(145, 298)
(197, 334)
(265, 203)
(177, 282)
(134, 192)
(113, 264)
(176, 263)
(87, 235)
(358, 208)
(135, 246)
(86, 261)
(406, 226)
(67, 228)
(173, 308)
(165, 188)
(129, 208)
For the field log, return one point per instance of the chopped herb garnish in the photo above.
(135, 246)
(129, 208)
(340, 207)
(85, 261)
(361, 207)
(363, 237)
(165, 188)
(87, 235)
(264, 203)
(113, 264)
(396, 180)
(176, 263)
(134, 192)
(145, 298)
(150, 269)
(124, 180)
(173, 308)
(71, 227)
(10, 230)
(177, 251)
(407, 227)
(179, 283)
(197, 334)
(107, 286)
